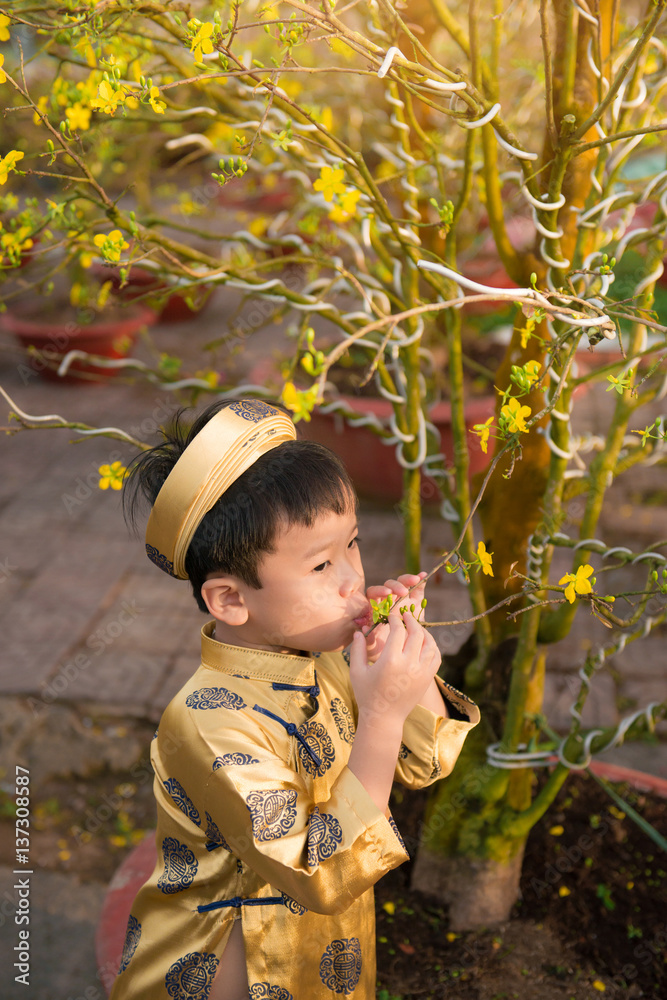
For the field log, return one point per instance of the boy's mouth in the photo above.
(365, 618)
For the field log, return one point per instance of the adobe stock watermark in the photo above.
(96, 643)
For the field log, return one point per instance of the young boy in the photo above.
(274, 763)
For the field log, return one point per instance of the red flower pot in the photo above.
(110, 336)
(372, 465)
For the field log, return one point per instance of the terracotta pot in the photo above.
(372, 465)
(111, 337)
(142, 283)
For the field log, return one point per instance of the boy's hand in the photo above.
(396, 589)
(386, 691)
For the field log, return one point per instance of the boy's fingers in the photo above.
(358, 657)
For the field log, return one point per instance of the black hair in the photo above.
(291, 484)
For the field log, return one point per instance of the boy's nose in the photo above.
(351, 581)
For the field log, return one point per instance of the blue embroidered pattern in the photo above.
(253, 410)
(180, 866)
(213, 833)
(340, 967)
(319, 741)
(182, 800)
(132, 936)
(392, 824)
(215, 698)
(233, 758)
(292, 905)
(190, 978)
(436, 770)
(272, 813)
(403, 752)
(264, 991)
(160, 561)
(323, 836)
(343, 719)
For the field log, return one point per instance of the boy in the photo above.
(274, 763)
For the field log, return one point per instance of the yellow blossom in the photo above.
(557, 831)
(78, 117)
(330, 182)
(111, 244)
(515, 415)
(8, 163)
(483, 431)
(532, 369)
(107, 99)
(485, 560)
(112, 476)
(4, 33)
(597, 984)
(201, 43)
(3, 75)
(42, 104)
(577, 583)
(564, 891)
(300, 401)
(389, 908)
(346, 207)
(157, 106)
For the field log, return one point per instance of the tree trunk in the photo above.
(479, 892)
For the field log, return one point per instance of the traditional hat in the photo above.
(232, 440)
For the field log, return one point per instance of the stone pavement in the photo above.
(93, 635)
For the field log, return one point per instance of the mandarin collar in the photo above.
(286, 668)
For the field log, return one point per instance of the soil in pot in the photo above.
(591, 922)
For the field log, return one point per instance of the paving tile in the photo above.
(115, 674)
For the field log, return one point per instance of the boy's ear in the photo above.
(224, 600)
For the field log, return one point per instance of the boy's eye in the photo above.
(321, 567)
(355, 541)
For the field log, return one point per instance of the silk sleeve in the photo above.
(431, 744)
(324, 854)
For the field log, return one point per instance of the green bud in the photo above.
(412, 609)
(50, 146)
(424, 602)
(654, 576)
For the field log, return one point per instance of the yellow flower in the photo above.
(597, 984)
(111, 244)
(157, 106)
(577, 583)
(41, 108)
(4, 34)
(564, 891)
(483, 431)
(201, 43)
(78, 117)
(557, 831)
(300, 402)
(107, 99)
(8, 163)
(3, 75)
(532, 369)
(112, 476)
(515, 415)
(389, 908)
(330, 182)
(485, 560)
(346, 207)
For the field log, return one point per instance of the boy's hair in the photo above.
(291, 484)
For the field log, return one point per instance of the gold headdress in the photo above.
(222, 451)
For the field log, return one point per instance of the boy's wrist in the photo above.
(380, 720)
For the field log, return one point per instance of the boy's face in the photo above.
(312, 590)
